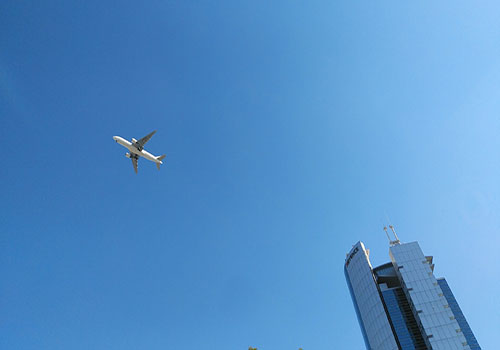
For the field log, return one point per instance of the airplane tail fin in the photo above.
(160, 158)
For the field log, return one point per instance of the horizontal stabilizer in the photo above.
(160, 158)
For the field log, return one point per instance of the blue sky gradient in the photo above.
(292, 130)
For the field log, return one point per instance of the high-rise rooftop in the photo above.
(401, 305)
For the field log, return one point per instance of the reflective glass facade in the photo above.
(401, 305)
(375, 326)
(464, 325)
(403, 322)
(439, 328)
(398, 319)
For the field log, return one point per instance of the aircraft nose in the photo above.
(115, 138)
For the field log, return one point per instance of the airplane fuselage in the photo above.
(143, 153)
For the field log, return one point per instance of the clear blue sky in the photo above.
(292, 130)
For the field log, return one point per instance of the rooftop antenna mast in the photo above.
(395, 235)
(391, 242)
(387, 234)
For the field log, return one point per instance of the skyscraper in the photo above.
(401, 305)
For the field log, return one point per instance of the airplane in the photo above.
(136, 148)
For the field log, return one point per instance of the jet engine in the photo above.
(127, 155)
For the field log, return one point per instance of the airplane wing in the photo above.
(140, 144)
(134, 162)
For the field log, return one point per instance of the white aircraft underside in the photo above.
(137, 150)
